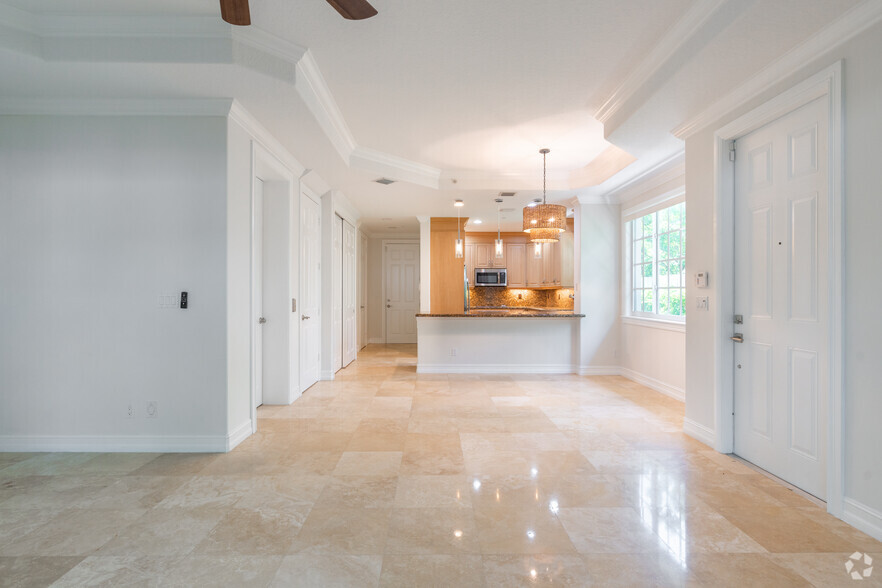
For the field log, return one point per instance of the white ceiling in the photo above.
(473, 89)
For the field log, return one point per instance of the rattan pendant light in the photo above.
(545, 222)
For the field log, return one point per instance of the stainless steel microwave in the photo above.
(490, 276)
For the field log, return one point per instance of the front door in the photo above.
(402, 273)
(781, 269)
(310, 291)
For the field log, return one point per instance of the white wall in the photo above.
(652, 353)
(98, 217)
(598, 262)
(238, 277)
(862, 338)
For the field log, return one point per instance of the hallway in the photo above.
(386, 477)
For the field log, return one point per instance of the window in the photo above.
(658, 263)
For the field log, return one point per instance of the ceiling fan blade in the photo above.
(353, 9)
(236, 12)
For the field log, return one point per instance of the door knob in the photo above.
(304, 317)
(738, 337)
(261, 321)
(388, 306)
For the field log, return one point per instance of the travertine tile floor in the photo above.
(385, 477)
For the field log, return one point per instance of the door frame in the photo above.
(826, 84)
(265, 166)
(306, 192)
(383, 265)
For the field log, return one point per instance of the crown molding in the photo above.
(395, 167)
(843, 29)
(685, 28)
(315, 93)
(666, 170)
(116, 107)
(269, 44)
(266, 139)
(595, 199)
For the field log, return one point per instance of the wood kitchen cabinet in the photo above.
(469, 260)
(544, 272)
(515, 255)
(485, 255)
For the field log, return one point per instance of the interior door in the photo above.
(402, 273)
(310, 291)
(362, 291)
(337, 288)
(781, 367)
(257, 292)
(350, 349)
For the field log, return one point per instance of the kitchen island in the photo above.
(500, 341)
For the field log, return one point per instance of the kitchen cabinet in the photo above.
(544, 272)
(485, 255)
(469, 255)
(515, 255)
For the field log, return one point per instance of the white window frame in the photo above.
(629, 316)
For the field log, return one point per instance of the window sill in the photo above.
(676, 326)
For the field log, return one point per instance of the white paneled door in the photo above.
(782, 365)
(337, 291)
(350, 296)
(257, 320)
(310, 291)
(402, 271)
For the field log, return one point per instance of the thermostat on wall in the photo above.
(701, 279)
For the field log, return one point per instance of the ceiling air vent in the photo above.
(385, 181)
(506, 194)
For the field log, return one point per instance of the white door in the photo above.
(362, 291)
(257, 293)
(337, 287)
(782, 366)
(402, 273)
(310, 291)
(350, 343)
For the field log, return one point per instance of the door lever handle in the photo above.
(261, 321)
(738, 337)
(304, 317)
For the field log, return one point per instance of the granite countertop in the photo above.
(510, 312)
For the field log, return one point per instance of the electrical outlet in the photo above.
(152, 409)
(130, 411)
(453, 352)
(701, 303)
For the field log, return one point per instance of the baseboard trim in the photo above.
(115, 443)
(599, 370)
(328, 375)
(700, 432)
(657, 385)
(863, 517)
(495, 369)
(239, 434)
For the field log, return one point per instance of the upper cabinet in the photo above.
(485, 255)
(553, 269)
(517, 266)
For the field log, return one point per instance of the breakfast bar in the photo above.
(500, 341)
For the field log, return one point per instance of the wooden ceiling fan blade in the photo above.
(236, 12)
(353, 9)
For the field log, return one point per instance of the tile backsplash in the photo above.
(513, 297)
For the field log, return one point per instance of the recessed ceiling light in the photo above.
(385, 181)
(477, 221)
(458, 203)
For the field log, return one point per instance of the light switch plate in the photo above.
(701, 303)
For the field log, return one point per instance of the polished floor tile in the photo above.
(386, 477)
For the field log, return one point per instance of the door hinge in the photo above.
(732, 151)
